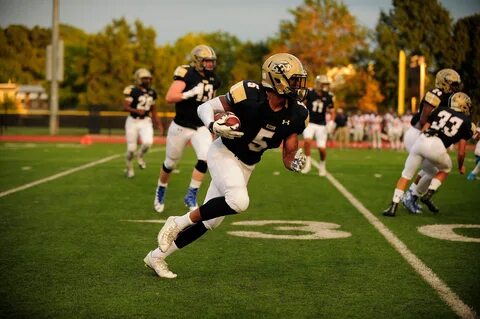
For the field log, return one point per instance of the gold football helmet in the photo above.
(461, 102)
(200, 54)
(322, 83)
(284, 73)
(448, 80)
(143, 77)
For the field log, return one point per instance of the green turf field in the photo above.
(70, 248)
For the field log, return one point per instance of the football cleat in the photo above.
(141, 163)
(471, 176)
(129, 173)
(427, 200)
(190, 199)
(168, 233)
(159, 265)
(158, 203)
(391, 210)
(409, 201)
(322, 171)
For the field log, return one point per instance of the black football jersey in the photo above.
(263, 128)
(140, 98)
(434, 97)
(186, 110)
(317, 105)
(449, 125)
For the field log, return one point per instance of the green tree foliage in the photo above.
(466, 47)
(323, 34)
(417, 27)
(22, 54)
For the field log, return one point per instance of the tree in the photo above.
(322, 35)
(417, 27)
(466, 46)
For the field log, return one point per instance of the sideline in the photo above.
(450, 297)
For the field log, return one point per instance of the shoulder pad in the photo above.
(432, 99)
(181, 71)
(244, 90)
(128, 90)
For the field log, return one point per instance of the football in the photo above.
(229, 118)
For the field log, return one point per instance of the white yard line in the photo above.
(452, 300)
(56, 176)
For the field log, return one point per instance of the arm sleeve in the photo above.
(206, 110)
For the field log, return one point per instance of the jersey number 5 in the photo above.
(259, 143)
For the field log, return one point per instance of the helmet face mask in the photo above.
(461, 102)
(284, 73)
(448, 80)
(322, 83)
(143, 78)
(203, 58)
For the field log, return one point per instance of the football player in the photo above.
(319, 102)
(270, 113)
(445, 126)
(192, 85)
(140, 103)
(447, 82)
(472, 175)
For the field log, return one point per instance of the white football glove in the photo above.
(220, 128)
(196, 91)
(299, 161)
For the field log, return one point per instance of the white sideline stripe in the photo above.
(53, 177)
(452, 300)
(67, 172)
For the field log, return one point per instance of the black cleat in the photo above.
(427, 200)
(391, 210)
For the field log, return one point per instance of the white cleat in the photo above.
(306, 169)
(130, 173)
(141, 163)
(322, 172)
(159, 201)
(159, 265)
(168, 234)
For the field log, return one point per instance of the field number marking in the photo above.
(446, 232)
(450, 297)
(313, 229)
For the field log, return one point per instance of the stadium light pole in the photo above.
(401, 82)
(54, 81)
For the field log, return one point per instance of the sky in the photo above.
(249, 20)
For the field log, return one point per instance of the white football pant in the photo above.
(427, 148)
(229, 178)
(178, 136)
(138, 127)
(320, 133)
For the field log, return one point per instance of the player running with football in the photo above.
(193, 84)
(319, 102)
(445, 126)
(447, 82)
(140, 103)
(270, 113)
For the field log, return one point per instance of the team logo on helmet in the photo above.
(281, 67)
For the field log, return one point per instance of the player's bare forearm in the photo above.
(427, 109)
(290, 147)
(461, 155)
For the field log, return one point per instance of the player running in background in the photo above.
(270, 113)
(192, 85)
(447, 82)
(445, 126)
(473, 174)
(319, 102)
(140, 103)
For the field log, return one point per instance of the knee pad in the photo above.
(169, 165)
(166, 169)
(237, 199)
(201, 166)
(132, 147)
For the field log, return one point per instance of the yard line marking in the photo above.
(56, 176)
(451, 298)
(67, 172)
